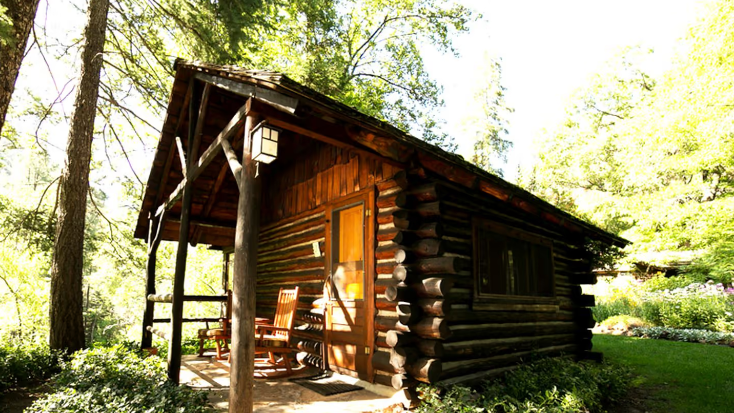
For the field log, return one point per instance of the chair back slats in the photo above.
(285, 312)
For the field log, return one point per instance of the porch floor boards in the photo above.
(280, 395)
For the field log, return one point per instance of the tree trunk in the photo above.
(22, 14)
(66, 318)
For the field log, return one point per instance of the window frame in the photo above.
(485, 301)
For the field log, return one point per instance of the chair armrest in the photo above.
(271, 328)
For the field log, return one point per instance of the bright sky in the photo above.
(548, 50)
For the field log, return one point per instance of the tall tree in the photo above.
(489, 125)
(15, 27)
(66, 313)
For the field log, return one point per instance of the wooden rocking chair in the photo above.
(274, 339)
(218, 335)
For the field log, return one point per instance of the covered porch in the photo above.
(283, 395)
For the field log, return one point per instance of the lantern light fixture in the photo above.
(265, 143)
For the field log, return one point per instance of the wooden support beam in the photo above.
(174, 344)
(159, 332)
(206, 158)
(154, 231)
(234, 163)
(181, 155)
(241, 375)
(278, 100)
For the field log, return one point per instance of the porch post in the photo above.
(153, 242)
(242, 353)
(174, 345)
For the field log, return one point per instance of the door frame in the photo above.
(367, 196)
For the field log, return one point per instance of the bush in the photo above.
(689, 335)
(695, 305)
(117, 379)
(552, 385)
(25, 364)
(626, 320)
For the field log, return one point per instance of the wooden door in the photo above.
(350, 285)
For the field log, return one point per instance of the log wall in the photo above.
(428, 329)
(293, 217)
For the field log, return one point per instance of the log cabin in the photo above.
(414, 265)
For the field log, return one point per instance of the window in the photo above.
(511, 262)
(347, 253)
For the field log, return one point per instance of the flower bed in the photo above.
(687, 334)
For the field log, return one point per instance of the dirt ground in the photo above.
(17, 400)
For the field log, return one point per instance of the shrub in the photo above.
(626, 320)
(695, 305)
(116, 379)
(552, 385)
(24, 364)
(688, 334)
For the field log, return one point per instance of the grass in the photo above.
(679, 377)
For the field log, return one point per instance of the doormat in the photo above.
(325, 385)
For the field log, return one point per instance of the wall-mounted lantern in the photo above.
(265, 143)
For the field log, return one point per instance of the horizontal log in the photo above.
(433, 287)
(467, 366)
(477, 331)
(491, 347)
(405, 180)
(384, 304)
(430, 348)
(430, 209)
(437, 307)
(386, 185)
(408, 314)
(387, 251)
(159, 332)
(429, 327)
(388, 234)
(386, 324)
(428, 192)
(474, 317)
(381, 361)
(385, 216)
(400, 292)
(427, 370)
(291, 277)
(401, 356)
(386, 267)
(402, 381)
(449, 265)
(381, 341)
(190, 320)
(475, 379)
(395, 199)
(160, 298)
(382, 285)
(427, 230)
(406, 220)
(400, 339)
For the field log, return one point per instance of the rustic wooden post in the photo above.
(245, 267)
(153, 241)
(174, 344)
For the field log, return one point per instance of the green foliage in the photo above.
(6, 27)
(684, 334)
(117, 379)
(672, 302)
(653, 159)
(624, 319)
(24, 364)
(552, 385)
(490, 127)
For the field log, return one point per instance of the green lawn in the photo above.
(677, 377)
